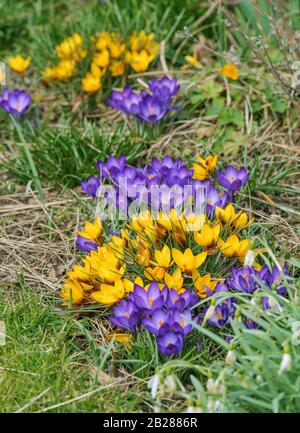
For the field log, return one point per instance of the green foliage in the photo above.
(66, 156)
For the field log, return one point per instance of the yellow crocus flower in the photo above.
(90, 83)
(187, 261)
(19, 64)
(203, 167)
(103, 40)
(110, 294)
(139, 61)
(201, 282)
(156, 273)
(72, 292)
(208, 237)
(92, 231)
(117, 68)
(233, 247)
(239, 220)
(192, 60)
(126, 339)
(116, 49)
(163, 257)
(64, 70)
(175, 281)
(102, 59)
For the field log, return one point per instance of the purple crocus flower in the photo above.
(232, 179)
(184, 319)
(149, 300)
(85, 244)
(15, 102)
(166, 88)
(224, 310)
(170, 339)
(243, 280)
(156, 321)
(151, 109)
(125, 315)
(90, 186)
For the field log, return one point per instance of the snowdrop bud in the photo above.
(153, 384)
(286, 363)
(249, 258)
(169, 384)
(209, 313)
(193, 409)
(231, 356)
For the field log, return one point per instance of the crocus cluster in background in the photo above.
(111, 54)
(15, 102)
(167, 173)
(149, 106)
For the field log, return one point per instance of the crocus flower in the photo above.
(15, 102)
(156, 321)
(170, 339)
(150, 300)
(90, 186)
(85, 244)
(19, 63)
(243, 280)
(152, 108)
(125, 315)
(184, 319)
(166, 88)
(224, 310)
(232, 179)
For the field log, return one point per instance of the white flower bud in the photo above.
(230, 357)
(169, 384)
(209, 313)
(249, 258)
(193, 409)
(286, 363)
(153, 384)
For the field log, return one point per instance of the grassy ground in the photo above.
(53, 361)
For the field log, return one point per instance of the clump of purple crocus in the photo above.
(147, 107)
(163, 312)
(170, 316)
(15, 102)
(248, 280)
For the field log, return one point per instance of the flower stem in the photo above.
(30, 161)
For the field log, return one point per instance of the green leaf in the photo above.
(231, 116)
(211, 89)
(280, 105)
(215, 107)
